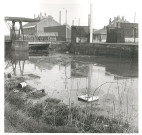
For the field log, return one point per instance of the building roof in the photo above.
(117, 19)
(101, 31)
(32, 24)
(112, 24)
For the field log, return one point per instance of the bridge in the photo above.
(20, 42)
(12, 28)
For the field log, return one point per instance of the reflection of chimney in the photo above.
(89, 20)
(60, 17)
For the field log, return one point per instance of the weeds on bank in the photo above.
(54, 116)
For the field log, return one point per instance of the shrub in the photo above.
(16, 99)
(35, 111)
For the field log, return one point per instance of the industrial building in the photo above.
(80, 34)
(123, 33)
(38, 27)
(101, 34)
(63, 32)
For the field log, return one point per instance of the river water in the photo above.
(64, 76)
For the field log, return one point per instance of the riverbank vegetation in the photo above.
(52, 115)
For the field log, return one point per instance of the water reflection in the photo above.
(114, 81)
(17, 60)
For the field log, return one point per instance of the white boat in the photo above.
(87, 98)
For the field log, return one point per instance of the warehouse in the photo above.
(63, 32)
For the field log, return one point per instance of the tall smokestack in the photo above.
(66, 16)
(60, 17)
(72, 22)
(34, 16)
(91, 21)
(78, 21)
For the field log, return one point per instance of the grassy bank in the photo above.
(52, 115)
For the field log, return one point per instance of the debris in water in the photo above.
(22, 85)
(9, 75)
(87, 98)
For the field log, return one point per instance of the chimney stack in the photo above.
(72, 22)
(89, 20)
(40, 15)
(60, 16)
(78, 21)
(66, 16)
(34, 16)
(109, 21)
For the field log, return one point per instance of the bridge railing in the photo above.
(34, 38)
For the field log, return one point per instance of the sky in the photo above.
(102, 10)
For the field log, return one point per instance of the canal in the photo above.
(65, 77)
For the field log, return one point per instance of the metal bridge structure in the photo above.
(12, 29)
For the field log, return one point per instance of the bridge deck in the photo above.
(17, 19)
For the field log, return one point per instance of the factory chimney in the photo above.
(78, 21)
(60, 16)
(66, 16)
(72, 22)
(91, 22)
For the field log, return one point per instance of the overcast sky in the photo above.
(102, 10)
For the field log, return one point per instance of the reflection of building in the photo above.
(63, 32)
(80, 34)
(79, 70)
(41, 65)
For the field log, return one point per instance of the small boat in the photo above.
(87, 98)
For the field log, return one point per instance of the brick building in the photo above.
(80, 34)
(63, 32)
(123, 33)
(101, 34)
(38, 27)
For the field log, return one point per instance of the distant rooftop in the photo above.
(40, 18)
(111, 24)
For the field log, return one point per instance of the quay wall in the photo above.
(107, 49)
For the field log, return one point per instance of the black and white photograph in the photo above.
(70, 66)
